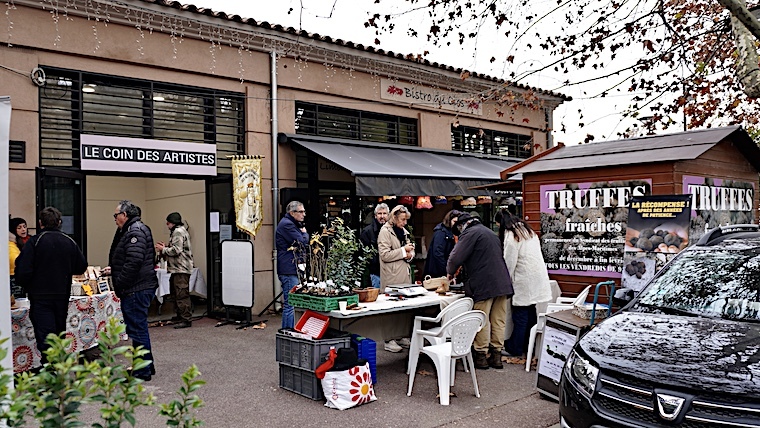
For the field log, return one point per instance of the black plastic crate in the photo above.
(308, 353)
(300, 381)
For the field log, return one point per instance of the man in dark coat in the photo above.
(291, 233)
(44, 268)
(368, 237)
(488, 284)
(132, 266)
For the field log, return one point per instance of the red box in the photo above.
(313, 324)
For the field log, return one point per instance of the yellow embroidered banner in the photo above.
(246, 176)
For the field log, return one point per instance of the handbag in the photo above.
(435, 283)
(348, 388)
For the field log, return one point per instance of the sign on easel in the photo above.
(237, 273)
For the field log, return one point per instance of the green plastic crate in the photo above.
(319, 303)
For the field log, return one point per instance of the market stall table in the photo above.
(87, 315)
(387, 317)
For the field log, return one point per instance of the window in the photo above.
(475, 140)
(326, 121)
(74, 103)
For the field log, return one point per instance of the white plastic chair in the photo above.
(462, 330)
(419, 336)
(539, 328)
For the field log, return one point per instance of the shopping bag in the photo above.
(348, 388)
(435, 283)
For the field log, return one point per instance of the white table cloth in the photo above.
(197, 284)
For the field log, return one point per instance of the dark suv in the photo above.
(685, 352)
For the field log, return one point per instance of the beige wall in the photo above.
(157, 197)
(122, 50)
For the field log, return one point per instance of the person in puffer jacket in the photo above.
(132, 266)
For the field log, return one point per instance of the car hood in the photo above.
(679, 351)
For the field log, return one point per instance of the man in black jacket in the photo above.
(44, 268)
(487, 283)
(132, 265)
(369, 237)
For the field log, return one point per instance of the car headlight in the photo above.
(582, 373)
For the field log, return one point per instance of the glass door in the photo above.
(220, 204)
(64, 190)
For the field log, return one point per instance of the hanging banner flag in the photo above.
(246, 176)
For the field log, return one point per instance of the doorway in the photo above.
(64, 190)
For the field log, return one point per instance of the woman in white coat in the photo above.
(530, 279)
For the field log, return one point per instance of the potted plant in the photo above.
(332, 263)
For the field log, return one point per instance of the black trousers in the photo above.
(47, 316)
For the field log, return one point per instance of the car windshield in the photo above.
(720, 281)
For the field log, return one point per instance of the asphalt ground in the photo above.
(242, 389)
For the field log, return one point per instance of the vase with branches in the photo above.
(333, 262)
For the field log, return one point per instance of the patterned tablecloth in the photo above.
(87, 316)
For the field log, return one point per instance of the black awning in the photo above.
(387, 169)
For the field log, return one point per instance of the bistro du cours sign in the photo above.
(120, 154)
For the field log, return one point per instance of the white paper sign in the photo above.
(213, 221)
(555, 349)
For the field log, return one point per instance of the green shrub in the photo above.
(54, 396)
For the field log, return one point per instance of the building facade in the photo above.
(173, 92)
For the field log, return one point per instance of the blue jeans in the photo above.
(288, 315)
(375, 280)
(523, 318)
(134, 308)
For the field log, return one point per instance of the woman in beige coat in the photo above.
(396, 252)
(395, 249)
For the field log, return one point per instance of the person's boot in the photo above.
(494, 359)
(481, 361)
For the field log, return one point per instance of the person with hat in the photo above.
(179, 263)
(487, 281)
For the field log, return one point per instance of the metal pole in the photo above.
(275, 173)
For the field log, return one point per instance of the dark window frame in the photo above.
(67, 112)
(477, 140)
(328, 121)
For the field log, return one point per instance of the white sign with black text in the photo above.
(120, 154)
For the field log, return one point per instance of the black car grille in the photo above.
(632, 400)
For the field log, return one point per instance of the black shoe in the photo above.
(494, 360)
(184, 324)
(176, 319)
(481, 361)
(143, 377)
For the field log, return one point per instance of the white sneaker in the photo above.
(392, 346)
(404, 342)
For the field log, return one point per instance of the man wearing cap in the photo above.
(179, 264)
(487, 282)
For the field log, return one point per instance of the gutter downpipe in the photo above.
(275, 173)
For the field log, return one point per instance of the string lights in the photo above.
(218, 32)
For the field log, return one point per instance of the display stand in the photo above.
(561, 331)
(237, 280)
